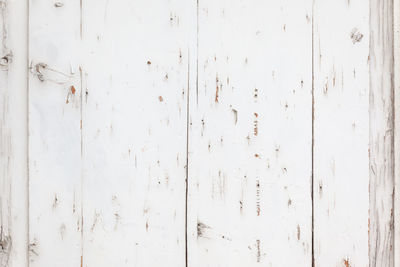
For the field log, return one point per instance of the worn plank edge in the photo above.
(396, 32)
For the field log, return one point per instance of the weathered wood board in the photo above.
(55, 158)
(199, 133)
(135, 86)
(249, 194)
(341, 133)
(13, 134)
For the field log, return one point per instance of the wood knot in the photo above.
(356, 36)
(6, 60)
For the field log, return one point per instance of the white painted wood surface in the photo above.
(341, 133)
(249, 194)
(134, 110)
(199, 133)
(55, 160)
(13, 133)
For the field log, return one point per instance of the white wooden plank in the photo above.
(381, 115)
(250, 135)
(55, 219)
(13, 134)
(396, 48)
(341, 132)
(134, 125)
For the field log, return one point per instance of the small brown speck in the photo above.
(73, 90)
(160, 98)
(148, 62)
(298, 232)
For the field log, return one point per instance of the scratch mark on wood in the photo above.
(258, 242)
(235, 115)
(298, 232)
(258, 198)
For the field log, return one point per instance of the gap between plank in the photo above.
(312, 135)
(187, 163)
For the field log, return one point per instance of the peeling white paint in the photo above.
(198, 133)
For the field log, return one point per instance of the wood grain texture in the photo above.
(13, 134)
(55, 164)
(381, 115)
(396, 71)
(250, 135)
(341, 133)
(199, 133)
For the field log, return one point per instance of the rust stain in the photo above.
(81, 260)
(149, 62)
(346, 263)
(160, 98)
(73, 90)
(216, 89)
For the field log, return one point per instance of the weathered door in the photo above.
(198, 133)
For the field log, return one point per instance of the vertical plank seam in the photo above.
(393, 109)
(81, 125)
(82, 173)
(28, 131)
(187, 162)
(312, 135)
(197, 53)
(369, 138)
